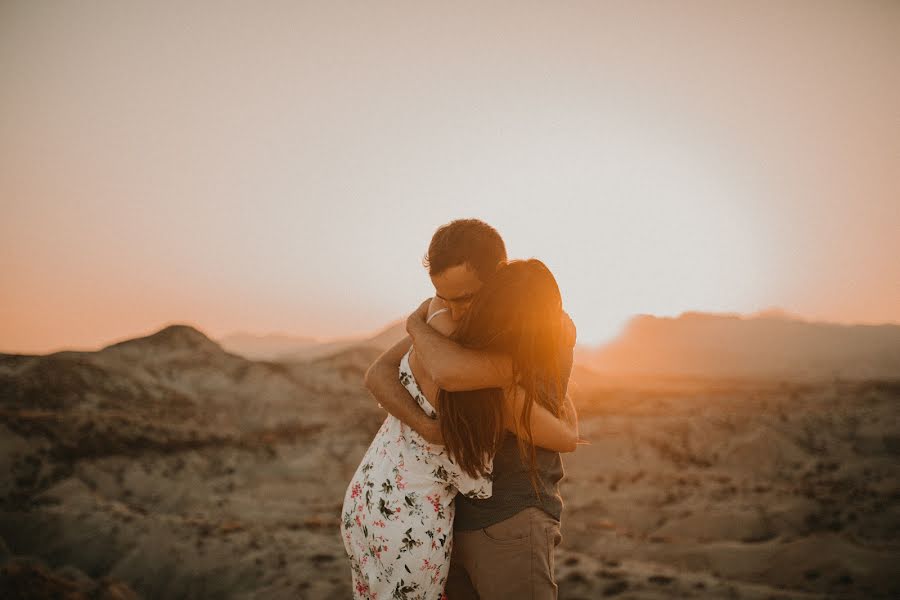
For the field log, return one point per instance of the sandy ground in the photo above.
(692, 489)
(726, 490)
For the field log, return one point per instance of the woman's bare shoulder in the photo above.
(439, 317)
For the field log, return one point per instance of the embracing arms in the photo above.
(383, 381)
(547, 431)
(451, 366)
(455, 368)
(464, 369)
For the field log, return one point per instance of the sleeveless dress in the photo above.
(397, 517)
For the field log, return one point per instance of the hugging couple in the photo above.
(458, 495)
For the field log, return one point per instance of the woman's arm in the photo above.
(547, 431)
(383, 383)
(570, 416)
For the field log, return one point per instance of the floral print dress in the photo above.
(397, 517)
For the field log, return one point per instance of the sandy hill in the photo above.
(122, 463)
(301, 349)
(265, 347)
(767, 345)
(176, 376)
(169, 467)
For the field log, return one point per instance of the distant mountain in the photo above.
(352, 363)
(285, 348)
(380, 342)
(770, 344)
(177, 376)
(167, 420)
(265, 347)
(388, 336)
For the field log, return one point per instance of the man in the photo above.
(503, 546)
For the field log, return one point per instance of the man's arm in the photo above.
(383, 381)
(456, 368)
(451, 366)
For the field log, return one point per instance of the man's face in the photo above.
(456, 286)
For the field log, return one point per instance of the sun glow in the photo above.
(282, 171)
(657, 226)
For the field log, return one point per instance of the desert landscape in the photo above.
(215, 215)
(174, 466)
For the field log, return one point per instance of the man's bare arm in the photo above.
(382, 380)
(456, 368)
(451, 366)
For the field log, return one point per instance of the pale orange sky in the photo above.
(281, 168)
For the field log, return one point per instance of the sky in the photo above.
(281, 167)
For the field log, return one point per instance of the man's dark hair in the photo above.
(465, 241)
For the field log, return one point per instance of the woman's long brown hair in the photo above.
(517, 313)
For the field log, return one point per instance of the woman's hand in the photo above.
(570, 333)
(418, 317)
(437, 304)
(439, 317)
(547, 430)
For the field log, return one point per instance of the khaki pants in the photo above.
(510, 559)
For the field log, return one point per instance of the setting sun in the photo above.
(289, 182)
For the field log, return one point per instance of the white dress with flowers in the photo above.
(397, 518)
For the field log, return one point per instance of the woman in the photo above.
(397, 520)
